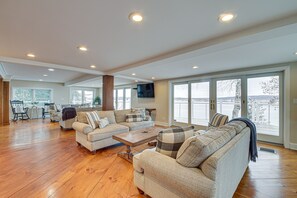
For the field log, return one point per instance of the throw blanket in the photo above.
(68, 113)
(253, 137)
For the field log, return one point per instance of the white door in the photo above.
(264, 106)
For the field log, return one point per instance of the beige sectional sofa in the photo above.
(218, 176)
(100, 138)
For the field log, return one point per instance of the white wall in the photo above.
(160, 102)
(61, 94)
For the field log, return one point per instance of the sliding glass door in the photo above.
(200, 103)
(228, 100)
(257, 97)
(264, 106)
(181, 103)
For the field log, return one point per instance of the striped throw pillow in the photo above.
(103, 123)
(218, 120)
(93, 119)
(170, 140)
(134, 117)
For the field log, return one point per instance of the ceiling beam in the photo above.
(189, 51)
(82, 79)
(132, 78)
(49, 65)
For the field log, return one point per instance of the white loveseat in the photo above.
(218, 176)
(100, 138)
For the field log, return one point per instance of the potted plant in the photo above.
(97, 101)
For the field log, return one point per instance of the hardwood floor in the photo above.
(37, 159)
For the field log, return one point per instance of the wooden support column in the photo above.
(6, 88)
(107, 93)
(1, 101)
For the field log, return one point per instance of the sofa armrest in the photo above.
(82, 127)
(167, 172)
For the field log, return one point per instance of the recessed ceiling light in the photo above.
(133, 74)
(195, 67)
(83, 48)
(93, 66)
(31, 55)
(226, 17)
(295, 53)
(136, 17)
(44, 75)
(50, 69)
(40, 80)
(153, 78)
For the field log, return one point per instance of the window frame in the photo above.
(33, 99)
(115, 97)
(72, 89)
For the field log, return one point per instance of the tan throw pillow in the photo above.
(81, 117)
(103, 123)
(109, 115)
(134, 117)
(93, 119)
(170, 140)
(198, 148)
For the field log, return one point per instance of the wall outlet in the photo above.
(294, 100)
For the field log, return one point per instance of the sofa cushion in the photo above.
(138, 125)
(93, 119)
(120, 115)
(103, 123)
(81, 117)
(170, 140)
(134, 117)
(107, 132)
(109, 114)
(198, 148)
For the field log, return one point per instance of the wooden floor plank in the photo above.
(38, 159)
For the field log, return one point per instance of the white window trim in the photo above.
(286, 111)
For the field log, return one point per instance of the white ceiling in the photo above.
(174, 36)
(33, 73)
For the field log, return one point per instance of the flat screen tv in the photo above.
(145, 90)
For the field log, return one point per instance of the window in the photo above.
(122, 98)
(82, 96)
(255, 96)
(32, 95)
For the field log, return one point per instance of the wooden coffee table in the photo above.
(136, 138)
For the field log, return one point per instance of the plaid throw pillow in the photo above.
(170, 140)
(134, 117)
(141, 111)
(93, 119)
(218, 120)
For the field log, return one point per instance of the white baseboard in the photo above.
(293, 146)
(165, 124)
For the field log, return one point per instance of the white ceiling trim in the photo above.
(189, 51)
(4, 74)
(49, 65)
